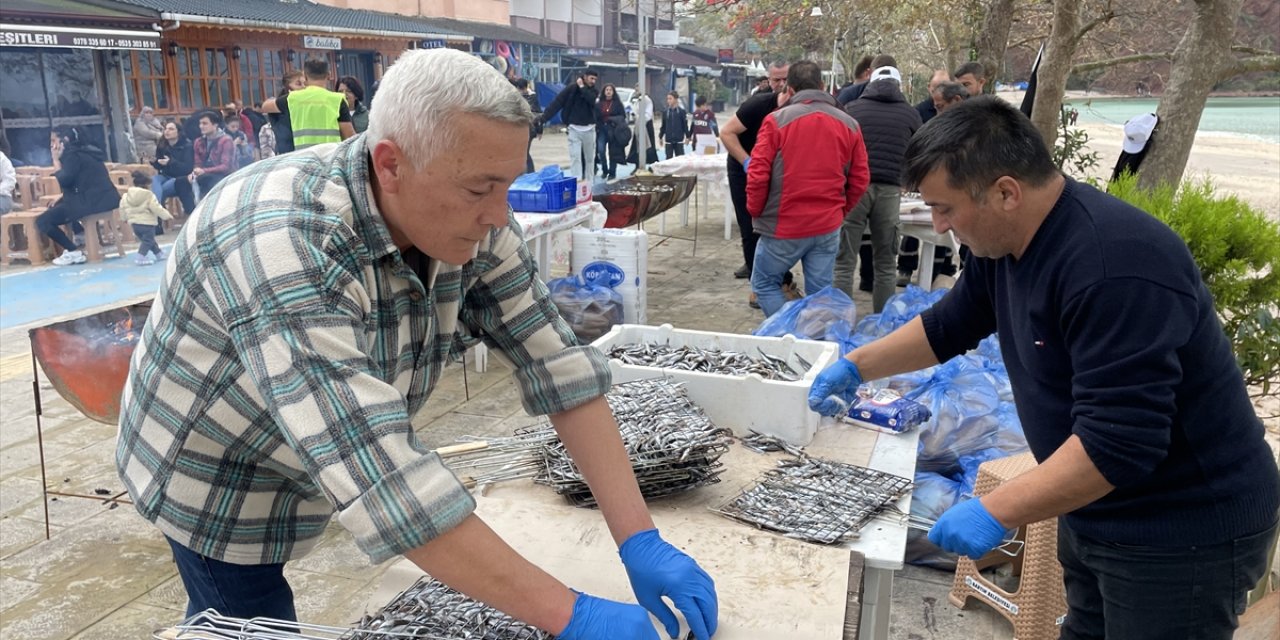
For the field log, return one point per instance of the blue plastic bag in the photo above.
(590, 309)
(898, 310)
(933, 494)
(812, 316)
(533, 181)
(963, 402)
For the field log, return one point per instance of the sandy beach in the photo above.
(1243, 166)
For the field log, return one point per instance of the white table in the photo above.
(713, 180)
(575, 543)
(539, 231)
(916, 220)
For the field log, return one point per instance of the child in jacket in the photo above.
(143, 212)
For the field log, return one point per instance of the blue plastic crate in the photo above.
(554, 196)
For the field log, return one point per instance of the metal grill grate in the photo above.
(816, 500)
(428, 610)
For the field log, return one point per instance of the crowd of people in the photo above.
(189, 158)
(869, 244)
(597, 119)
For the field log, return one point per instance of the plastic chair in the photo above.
(1039, 604)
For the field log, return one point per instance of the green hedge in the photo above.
(1238, 251)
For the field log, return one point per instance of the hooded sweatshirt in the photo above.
(140, 206)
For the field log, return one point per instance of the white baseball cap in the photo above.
(886, 73)
(1138, 130)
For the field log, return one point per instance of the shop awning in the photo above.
(25, 35)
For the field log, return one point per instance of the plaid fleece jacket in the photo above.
(286, 351)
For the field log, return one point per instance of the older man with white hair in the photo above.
(306, 315)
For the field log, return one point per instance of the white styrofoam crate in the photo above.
(742, 403)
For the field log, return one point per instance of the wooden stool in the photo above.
(1038, 606)
(22, 222)
(25, 191)
(96, 237)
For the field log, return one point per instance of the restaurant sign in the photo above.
(321, 42)
(12, 35)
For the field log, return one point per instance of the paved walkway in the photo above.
(107, 574)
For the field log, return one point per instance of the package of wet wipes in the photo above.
(887, 410)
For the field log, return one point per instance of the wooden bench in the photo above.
(22, 224)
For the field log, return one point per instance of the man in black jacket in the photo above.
(888, 121)
(861, 74)
(577, 103)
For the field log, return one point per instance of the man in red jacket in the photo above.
(807, 170)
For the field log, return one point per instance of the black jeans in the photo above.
(50, 222)
(675, 149)
(738, 193)
(1158, 593)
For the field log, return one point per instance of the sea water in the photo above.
(1256, 118)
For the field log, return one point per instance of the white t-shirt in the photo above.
(647, 105)
(8, 177)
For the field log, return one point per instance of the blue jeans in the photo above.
(237, 590)
(775, 257)
(603, 157)
(1152, 593)
(165, 187)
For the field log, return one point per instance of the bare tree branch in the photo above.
(1253, 51)
(1262, 61)
(1251, 65)
(1085, 67)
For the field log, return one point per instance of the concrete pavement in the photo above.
(106, 573)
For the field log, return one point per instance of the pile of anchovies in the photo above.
(816, 500)
(673, 445)
(429, 609)
(710, 360)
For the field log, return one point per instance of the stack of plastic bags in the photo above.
(969, 398)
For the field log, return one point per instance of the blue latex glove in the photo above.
(745, 163)
(835, 388)
(968, 529)
(658, 569)
(597, 619)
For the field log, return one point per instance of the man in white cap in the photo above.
(1138, 132)
(888, 121)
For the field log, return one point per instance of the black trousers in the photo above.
(738, 194)
(50, 222)
(1152, 593)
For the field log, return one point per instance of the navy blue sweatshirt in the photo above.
(1109, 333)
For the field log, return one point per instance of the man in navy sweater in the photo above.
(1150, 452)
